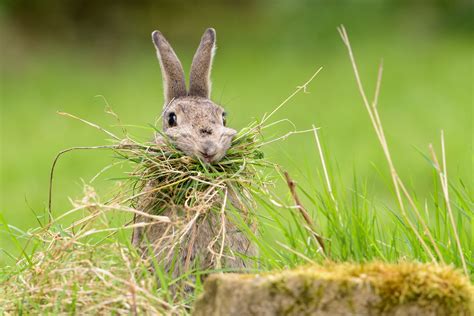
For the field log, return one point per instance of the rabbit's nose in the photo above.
(205, 131)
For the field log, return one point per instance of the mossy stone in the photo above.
(340, 289)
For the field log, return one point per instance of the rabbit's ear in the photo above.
(174, 83)
(199, 79)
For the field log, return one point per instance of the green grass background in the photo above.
(264, 52)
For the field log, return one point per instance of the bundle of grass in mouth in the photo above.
(207, 208)
(179, 179)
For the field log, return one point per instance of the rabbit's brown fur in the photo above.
(196, 126)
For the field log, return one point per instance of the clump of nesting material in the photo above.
(181, 179)
(209, 207)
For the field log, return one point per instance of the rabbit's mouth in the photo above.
(208, 158)
(210, 151)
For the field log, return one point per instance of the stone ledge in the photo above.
(340, 289)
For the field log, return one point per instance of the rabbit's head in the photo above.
(194, 123)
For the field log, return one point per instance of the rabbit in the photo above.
(197, 127)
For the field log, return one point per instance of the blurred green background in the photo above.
(59, 55)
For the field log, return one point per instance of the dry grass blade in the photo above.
(325, 170)
(298, 89)
(90, 124)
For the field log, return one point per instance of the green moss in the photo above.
(396, 284)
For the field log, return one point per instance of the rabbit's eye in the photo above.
(172, 119)
(224, 121)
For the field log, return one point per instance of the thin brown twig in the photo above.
(292, 186)
(51, 174)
